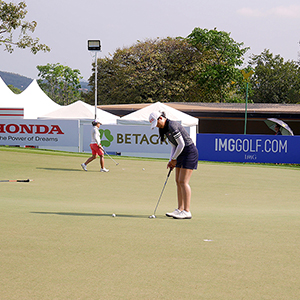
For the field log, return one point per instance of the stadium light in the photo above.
(94, 45)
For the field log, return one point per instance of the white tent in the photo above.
(141, 116)
(81, 110)
(7, 97)
(35, 102)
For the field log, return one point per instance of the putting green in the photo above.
(60, 241)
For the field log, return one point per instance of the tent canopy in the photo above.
(35, 102)
(82, 110)
(7, 97)
(141, 116)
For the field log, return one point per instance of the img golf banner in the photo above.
(249, 148)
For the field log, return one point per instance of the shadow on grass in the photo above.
(87, 214)
(60, 169)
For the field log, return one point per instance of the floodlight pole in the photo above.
(96, 70)
(247, 77)
(95, 45)
(246, 104)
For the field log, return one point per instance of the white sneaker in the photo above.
(174, 213)
(183, 215)
(84, 167)
(104, 170)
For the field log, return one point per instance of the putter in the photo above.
(110, 157)
(19, 180)
(153, 216)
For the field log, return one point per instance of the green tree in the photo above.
(238, 89)
(153, 70)
(220, 70)
(11, 20)
(14, 89)
(60, 83)
(274, 80)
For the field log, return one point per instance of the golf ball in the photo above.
(152, 217)
(113, 215)
(143, 169)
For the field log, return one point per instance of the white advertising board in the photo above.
(50, 134)
(138, 140)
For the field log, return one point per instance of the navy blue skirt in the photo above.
(188, 158)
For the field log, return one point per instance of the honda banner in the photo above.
(49, 133)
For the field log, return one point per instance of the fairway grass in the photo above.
(58, 239)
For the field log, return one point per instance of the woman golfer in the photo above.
(184, 157)
(96, 148)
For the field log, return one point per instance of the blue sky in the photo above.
(66, 25)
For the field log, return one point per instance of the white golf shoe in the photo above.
(174, 213)
(104, 170)
(84, 167)
(183, 215)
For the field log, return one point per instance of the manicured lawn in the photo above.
(58, 239)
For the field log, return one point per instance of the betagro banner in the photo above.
(249, 148)
(48, 133)
(129, 140)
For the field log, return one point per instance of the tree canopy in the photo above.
(225, 56)
(60, 83)
(154, 70)
(14, 89)
(11, 21)
(274, 80)
(199, 68)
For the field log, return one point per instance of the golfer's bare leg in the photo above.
(179, 190)
(90, 159)
(102, 161)
(183, 188)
